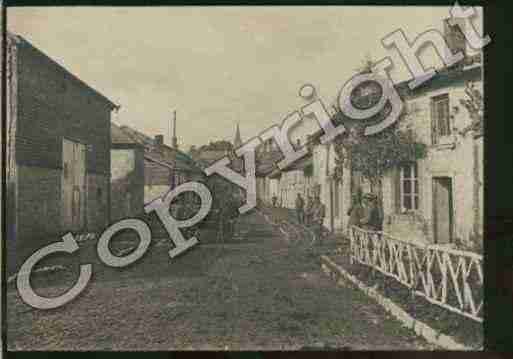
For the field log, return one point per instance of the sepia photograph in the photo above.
(244, 178)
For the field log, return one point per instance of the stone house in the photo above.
(212, 152)
(268, 186)
(165, 167)
(334, 193)
(292, 181)
(58, 151)
(127, 175)
(439, 198)
(267, 155)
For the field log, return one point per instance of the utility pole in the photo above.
(174, 139)
(174, 144)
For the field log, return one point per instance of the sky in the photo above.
(218, 66)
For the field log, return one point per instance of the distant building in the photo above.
(127, 175)
(335, 193)
(290, 182)
(58, 151)
(267, 173)
(208, 154)
(212, 152)
(164, 167)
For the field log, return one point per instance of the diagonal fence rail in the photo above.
(449, 278)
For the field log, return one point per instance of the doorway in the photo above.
(442, 210)
(73, 185)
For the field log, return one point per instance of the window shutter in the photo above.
(434, 120)
(447, 115)
(416, 186)
(397, 189)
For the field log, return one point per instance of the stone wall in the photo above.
(127, 183)
(39, 212)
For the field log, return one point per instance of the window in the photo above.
(408, 187)
(440, 118)
(336, 195)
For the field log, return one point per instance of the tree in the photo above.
(372, 156)
(474, 105)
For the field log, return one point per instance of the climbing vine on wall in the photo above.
(473, 103)
(373, 155)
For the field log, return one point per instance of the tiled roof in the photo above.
(301, 164)
(267, 162)
(118, 136)
(443, 78)
(162, 154)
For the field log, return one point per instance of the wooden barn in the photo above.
(58, 152)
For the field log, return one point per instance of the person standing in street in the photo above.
(308, 211)
(356, 211)
(230, 215)
(300, 209)
(371, 217)
(319, 212)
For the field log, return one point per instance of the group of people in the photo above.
(364, 213)
(312, 214)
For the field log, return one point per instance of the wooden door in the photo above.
(73, 185)
(442, 210)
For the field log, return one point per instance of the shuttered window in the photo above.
(440, 117)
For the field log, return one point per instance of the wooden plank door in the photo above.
(73, 185)
(442, 210)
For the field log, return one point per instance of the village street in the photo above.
(262, 291)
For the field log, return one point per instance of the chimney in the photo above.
(454, 36)
(159, 140)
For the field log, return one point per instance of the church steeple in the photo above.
(237, 142)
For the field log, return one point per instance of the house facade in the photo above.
(267, 174)
(334, 193)
(212, 152)
(127, 175)
(293, 181)
(58, 151)
(439, 198)
(165, 167)
(268, 187)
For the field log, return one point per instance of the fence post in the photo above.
(351, 245)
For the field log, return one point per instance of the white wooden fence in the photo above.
(446, 277)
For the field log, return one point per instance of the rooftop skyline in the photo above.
(226, 64)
